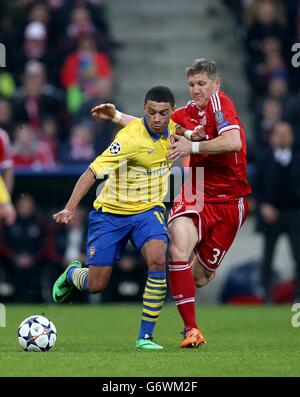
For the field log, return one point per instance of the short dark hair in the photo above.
(160, 94)
(203, 65)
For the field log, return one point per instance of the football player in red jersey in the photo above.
(214, 137)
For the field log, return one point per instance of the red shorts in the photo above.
(217, 226)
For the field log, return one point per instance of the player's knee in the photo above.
(175, 252)
(95, 286)
(157, 263)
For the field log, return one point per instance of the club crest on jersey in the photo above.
(219, 116)
(115, 148)
(92, 251)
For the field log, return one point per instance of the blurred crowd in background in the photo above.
(60, 62)
(268, 29)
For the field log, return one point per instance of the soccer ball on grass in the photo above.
(37, 333)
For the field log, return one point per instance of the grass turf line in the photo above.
(98, 340)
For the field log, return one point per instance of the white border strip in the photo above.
(188, 212)
(228, 128)
(185, 301)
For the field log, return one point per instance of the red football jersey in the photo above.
(225, 175)
(5, 150)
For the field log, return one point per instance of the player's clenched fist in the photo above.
(106, 111)
(64, 216)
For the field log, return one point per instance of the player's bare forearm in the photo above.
(108, 111)
(229, 141)
(180, 130)
(83, 185)
(126, 119)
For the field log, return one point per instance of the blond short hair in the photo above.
(203, 65)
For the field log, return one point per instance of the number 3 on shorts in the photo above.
(159, 216)
(216, 256)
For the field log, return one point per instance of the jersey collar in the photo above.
(154, 136)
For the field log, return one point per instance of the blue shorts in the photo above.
(109, 233)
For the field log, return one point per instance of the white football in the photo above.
(37, 334)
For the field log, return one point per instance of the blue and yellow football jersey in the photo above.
(138, 170)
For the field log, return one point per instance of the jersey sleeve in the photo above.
(225, 114)
(122, 149)
(178, 117)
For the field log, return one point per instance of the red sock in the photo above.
(184, 291)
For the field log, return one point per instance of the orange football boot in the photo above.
(192, 338)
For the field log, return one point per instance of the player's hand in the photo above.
(198, 134)
(64, 216)
(105, 111)
(181, 148)
(8, 213)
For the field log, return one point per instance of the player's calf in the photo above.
(98, 278)
(201, 275)
(204, 279)
(96, 285)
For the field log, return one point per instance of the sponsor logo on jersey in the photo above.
(178, 296)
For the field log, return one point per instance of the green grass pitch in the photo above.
(98, 340)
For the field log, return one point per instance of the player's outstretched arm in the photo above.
(108, 111)
(83, 185)
(229, 141)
